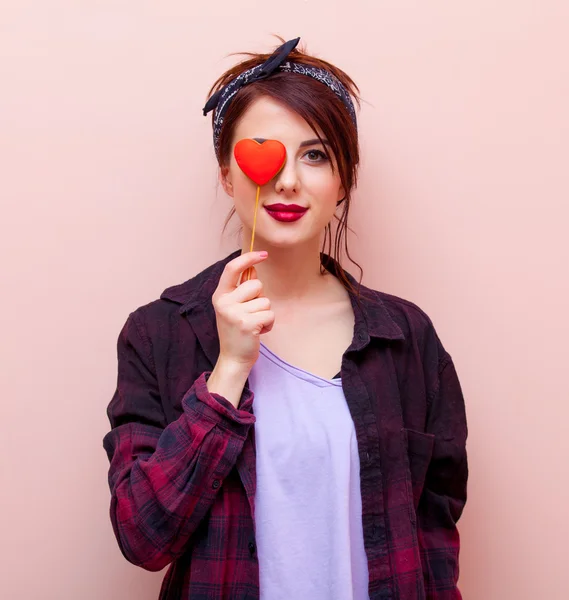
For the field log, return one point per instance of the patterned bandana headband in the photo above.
(276, 62)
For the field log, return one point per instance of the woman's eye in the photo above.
(316, 156)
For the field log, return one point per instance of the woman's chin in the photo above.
(276, 240)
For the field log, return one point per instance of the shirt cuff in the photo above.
(208, 402)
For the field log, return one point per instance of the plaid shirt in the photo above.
(182, 460)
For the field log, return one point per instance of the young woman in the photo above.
(295, 434)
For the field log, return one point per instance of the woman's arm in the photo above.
(164, 478)
(444, 494)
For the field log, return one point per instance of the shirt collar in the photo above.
(372, 319)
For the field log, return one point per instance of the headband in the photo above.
(276, 62)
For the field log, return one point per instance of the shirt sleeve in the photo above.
(164, 477)
(444, 495)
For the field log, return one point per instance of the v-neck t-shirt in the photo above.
(308, 507)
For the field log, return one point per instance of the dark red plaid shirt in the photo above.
(182, 460)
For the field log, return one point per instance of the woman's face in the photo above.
(306, 178)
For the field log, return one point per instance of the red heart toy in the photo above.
(260, 162)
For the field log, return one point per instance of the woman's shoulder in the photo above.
(181, 297)
(413, 320)
(404, 308)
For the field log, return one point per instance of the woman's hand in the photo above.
(242, 313)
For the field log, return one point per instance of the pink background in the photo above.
(109, 195)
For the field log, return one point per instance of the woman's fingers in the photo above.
(229, 279)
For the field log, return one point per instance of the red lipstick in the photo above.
(285, 212)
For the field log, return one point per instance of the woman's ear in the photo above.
(225, 180)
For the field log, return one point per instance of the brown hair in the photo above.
(319, 107)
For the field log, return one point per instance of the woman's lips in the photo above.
(286, 215)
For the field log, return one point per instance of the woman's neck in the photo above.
(291, 274)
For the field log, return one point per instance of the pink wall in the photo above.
(109, 195)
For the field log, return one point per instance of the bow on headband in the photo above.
(274, 61)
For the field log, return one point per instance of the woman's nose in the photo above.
(286, 180)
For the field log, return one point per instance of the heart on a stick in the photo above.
(260, 162)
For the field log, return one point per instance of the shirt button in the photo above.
(215, 484)
(367, 456)
(251, 548)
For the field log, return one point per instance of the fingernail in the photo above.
(263, 254)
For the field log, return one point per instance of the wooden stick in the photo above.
(254, 225)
